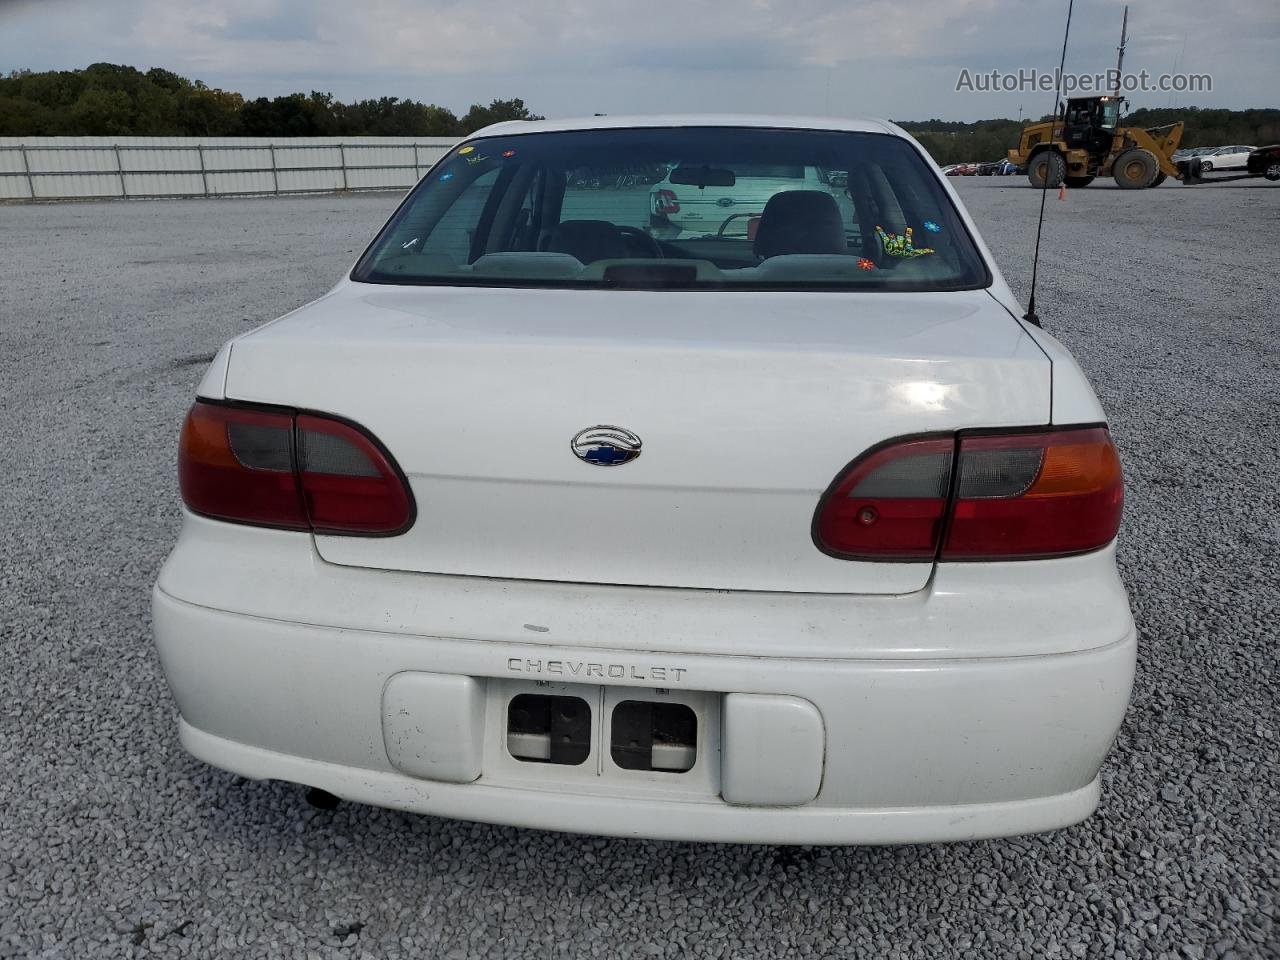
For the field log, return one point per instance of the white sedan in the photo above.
(1226, 158)
(538, 519)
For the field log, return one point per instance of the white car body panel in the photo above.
(1072, 399)
(745, 424)
(628, 121)
(213, 385)
(979, 707)
(968, 611)
(942, 701)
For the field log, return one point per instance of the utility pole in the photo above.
(1177, 63)
(1124, 38)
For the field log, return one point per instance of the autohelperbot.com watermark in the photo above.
(1031, 80)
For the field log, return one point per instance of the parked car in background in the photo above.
(1265, 162)
(681, 203)
(539, 519)
(997, 168)
(1186, 153)
(1226, 158)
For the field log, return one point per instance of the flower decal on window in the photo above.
(932, 226)
(865, 264)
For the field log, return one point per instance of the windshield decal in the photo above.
(901, 246)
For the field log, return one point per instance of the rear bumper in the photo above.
(647, 818)
(916, 745)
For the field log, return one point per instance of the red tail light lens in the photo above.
(664, 202)
(1015, 496)
(890, 504)
(237, 464)
(1035, 495)
(297, 472)
(348, 484)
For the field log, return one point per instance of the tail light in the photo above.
(890, 504)
(1009, 496)
(293, 471)
(1035, 495)
(664, 202)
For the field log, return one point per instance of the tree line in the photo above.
(112, 100)
(108, 99)
(950, 141)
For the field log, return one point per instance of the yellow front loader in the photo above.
(1088, 142)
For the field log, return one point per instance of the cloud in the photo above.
(879, 57)
(287, 21)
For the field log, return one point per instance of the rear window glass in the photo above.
(680, 208)
(777, 171)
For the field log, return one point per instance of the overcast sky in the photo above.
(883, 58)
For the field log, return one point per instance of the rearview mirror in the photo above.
(703, 176)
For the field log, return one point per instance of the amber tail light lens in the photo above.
(275, 468)
(1035, 495)
(976, 497)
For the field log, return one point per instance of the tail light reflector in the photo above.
(1013, 496)
(292, 471)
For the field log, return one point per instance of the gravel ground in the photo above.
(114, 843)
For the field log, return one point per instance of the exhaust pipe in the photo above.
(322, 799)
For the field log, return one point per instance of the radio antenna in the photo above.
(1124, 42)
(1031, 316)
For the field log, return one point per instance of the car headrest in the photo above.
(800, 221)
(587, 240)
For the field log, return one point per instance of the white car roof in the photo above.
(690, 120)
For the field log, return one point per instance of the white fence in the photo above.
(55, 168)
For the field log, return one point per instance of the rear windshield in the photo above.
(680, 208)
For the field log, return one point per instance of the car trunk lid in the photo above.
(747, 405)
